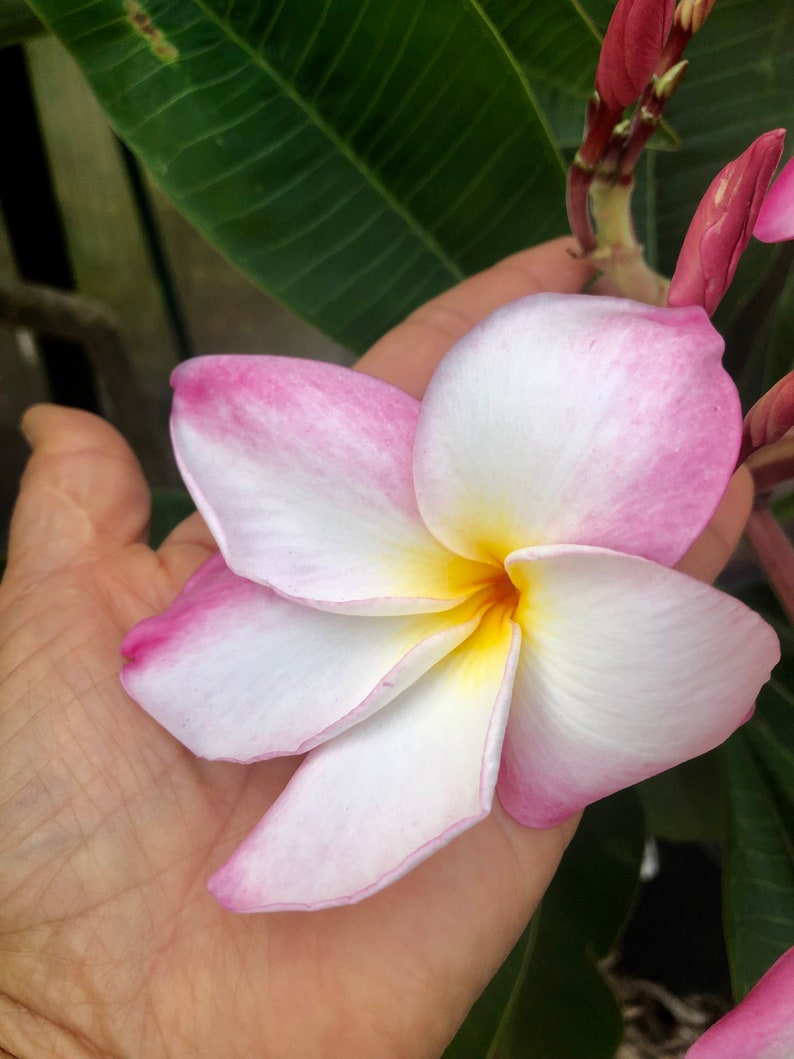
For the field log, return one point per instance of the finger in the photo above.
(82, 494)
(182, 552)
(408, 355)
(714, 547)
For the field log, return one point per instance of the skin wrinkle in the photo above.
(71, 943)
(10, 648)
(90, 551)
(66, 1044)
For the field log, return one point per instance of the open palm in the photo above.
(110, 944)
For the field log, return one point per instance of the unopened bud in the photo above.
(770, 418)
(691, 14)
(722, 225)
(635, 38)
(776, 220)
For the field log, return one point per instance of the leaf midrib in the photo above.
(342, 146)
(522, 77)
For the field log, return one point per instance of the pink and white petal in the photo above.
(776, 220)
(626, 669)
(365, 808)
(761, 1026)
(571, 418)
(235, 671)
(303, 473)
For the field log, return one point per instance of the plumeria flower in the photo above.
(442, 600)
(761, 1026)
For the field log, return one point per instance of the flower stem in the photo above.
(619, 254)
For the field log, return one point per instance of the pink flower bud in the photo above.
(722, 225)
(635, 38)
(691, 14)
(761, 1027)
(776, 219)
(770, 418)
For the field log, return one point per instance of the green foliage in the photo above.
(759, 863)
(169, 508)
(527, 1011)
(17, 22)
(558, 52)
(353, 159)
(780, 347)
(687, 803)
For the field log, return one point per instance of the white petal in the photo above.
(565, 418)
(303, 473)
(235, 671)
(368, 806)
(627, 668)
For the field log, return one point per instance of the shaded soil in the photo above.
(659, 1024)
(671, 974)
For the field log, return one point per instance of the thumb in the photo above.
(82, 494)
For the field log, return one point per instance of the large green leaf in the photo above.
(353, 158)
(17, 22)
(527, 1012)
(759, 863)
(557, 45)
(687, 803)
(486, 1033)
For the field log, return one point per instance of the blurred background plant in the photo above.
(193, 176)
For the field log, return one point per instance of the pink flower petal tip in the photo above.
(761, 1026)
(775, 222)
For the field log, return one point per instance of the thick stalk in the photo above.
(619, 254)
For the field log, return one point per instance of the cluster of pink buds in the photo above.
(641, 63)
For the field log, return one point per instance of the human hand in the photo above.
(110, 944)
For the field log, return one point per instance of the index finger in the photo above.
(407, 356)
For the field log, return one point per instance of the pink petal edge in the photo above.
(236, 672)
(761, 1026)
(302, 471)
(776, 220)
(570, 418)
(367, 807)
(626, 669)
